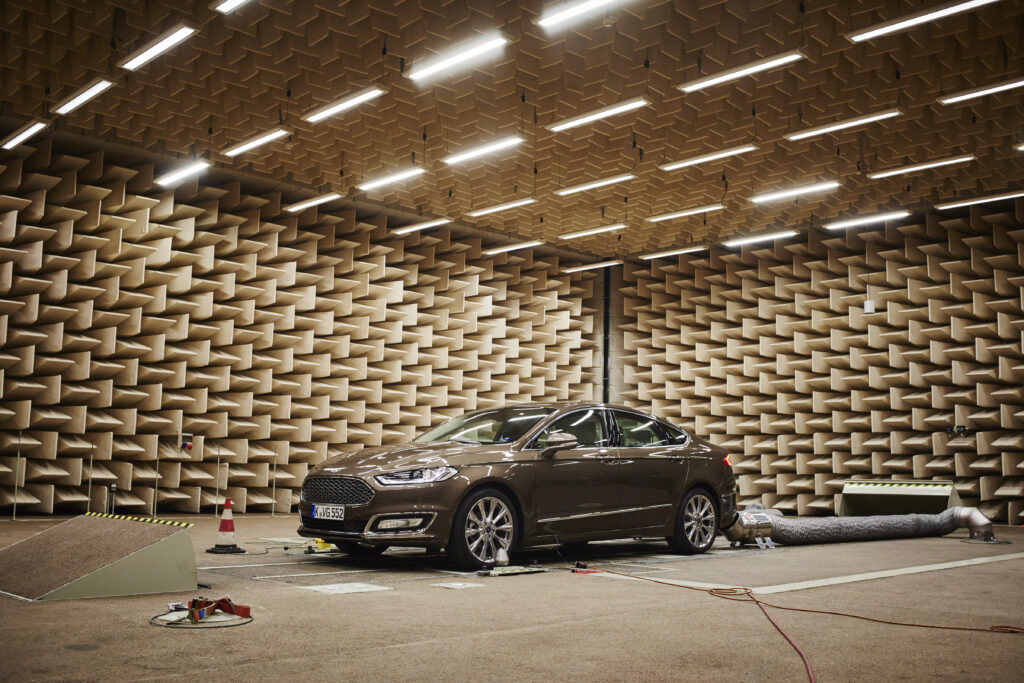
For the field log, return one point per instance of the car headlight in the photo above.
(426, 475)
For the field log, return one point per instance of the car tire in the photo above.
(484, 522)
(359, 549)
(696, 523)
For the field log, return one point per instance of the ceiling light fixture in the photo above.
(921, 167)
(793, 192)
(708, 157)
(685, 212)
(741, 71)
(671, 252)
(157, 47)
(501, 207)
(315, 201)
(566, 13)
(229, 5)
(595, 184)
(759, 238)
(416, 227)
(184, 172)
(459, 56)
(867, 220)
(513, 247)
(1020, 147)
(343, 104)
(911, 20)
(592, 266)
(82, 96)
(475, 152)
(847, 123)
(392, 178)
(597, 114)
(981, 92)
(253, 143)
(979, 200)
(591, 231)
(22, 134)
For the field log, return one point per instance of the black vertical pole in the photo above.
(605, 348)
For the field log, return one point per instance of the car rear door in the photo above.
(651, 469)
(576, 490)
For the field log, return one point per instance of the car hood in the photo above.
(377, 459)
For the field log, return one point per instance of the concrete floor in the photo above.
(555, 625)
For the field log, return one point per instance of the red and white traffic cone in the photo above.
(226, 534)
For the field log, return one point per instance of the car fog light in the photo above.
(401, 523)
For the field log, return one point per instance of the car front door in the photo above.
(576, 490)
(651, 471)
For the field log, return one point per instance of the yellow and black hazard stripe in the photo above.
(147, 520)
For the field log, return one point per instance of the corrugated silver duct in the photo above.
(754, 522)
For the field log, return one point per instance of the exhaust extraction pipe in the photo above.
(757, 522)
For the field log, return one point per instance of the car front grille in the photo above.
(347, 526)
(336, 490)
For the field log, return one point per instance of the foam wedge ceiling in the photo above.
(272, 61)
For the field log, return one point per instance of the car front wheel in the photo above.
(485, 523)
(696, 523)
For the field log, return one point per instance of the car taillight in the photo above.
(727, 460)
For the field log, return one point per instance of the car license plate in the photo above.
(329, 512)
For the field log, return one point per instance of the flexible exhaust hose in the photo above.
(750, 524)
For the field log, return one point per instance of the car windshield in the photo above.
(503, 425)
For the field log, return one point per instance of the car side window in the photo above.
(638, 431)
(676, 436)
(586, 425)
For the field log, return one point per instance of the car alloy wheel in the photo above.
(485, 523)
(696, 525)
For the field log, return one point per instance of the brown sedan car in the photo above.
(525, 475)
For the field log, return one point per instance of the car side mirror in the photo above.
(559, 441)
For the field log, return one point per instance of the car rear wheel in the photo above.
(696, 523)
(484, 524)
(357, 549)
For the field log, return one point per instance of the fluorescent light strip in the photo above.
(592, 266)
(501, 207)
(708, 157)
(597, 183)
(316, 201)
(671, 252)
(22, 134)
(981, 92)
(597, 114)
(459, 55)
(979, 200)
(759, 238)
(513, 247)
(911, 20)
(393, 178)
(686, 212)
(82, 96)
(184, 172)
(867, 220)
(564, 14)
(416, 227)
(740, 72)
(803, 189)
(229, 5)
(1020, 147)
(840, 125)
(157, 47)
(475, 152)
(343, 104)
(921, 167)
(591, 231)
(256, 142)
